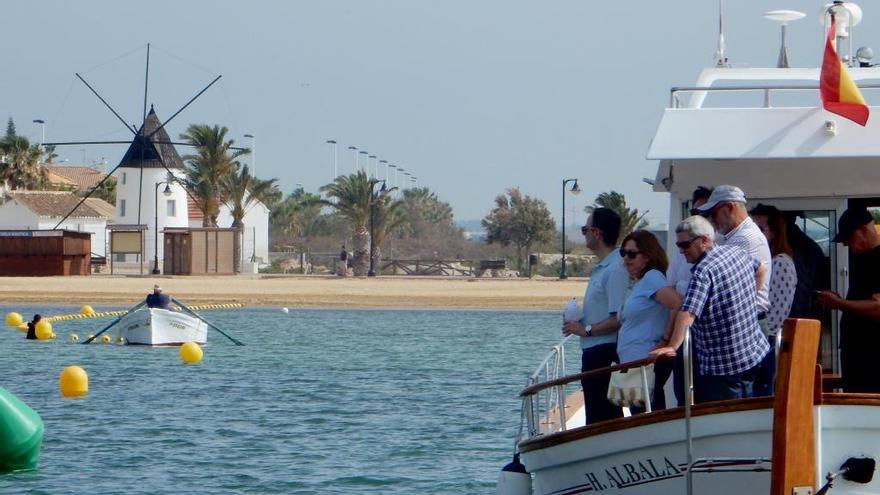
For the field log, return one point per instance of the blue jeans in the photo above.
(596, 405)
(709, 388)
(766, 380)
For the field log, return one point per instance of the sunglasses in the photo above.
(625, 253)
(585, 229)
(686, 244)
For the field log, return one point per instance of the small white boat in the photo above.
(153, 326)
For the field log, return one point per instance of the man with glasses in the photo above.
(721, 309)
(605, 294)
(679, 273)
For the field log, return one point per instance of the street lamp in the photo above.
(332, 144)
(373, 182)
(371, 164)
(394, 182)
(386, 168)
(253, 154)
(355, 150)
(167, 193)
(365, 153)
(574, 190)
(42, 128)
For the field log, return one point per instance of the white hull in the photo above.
(151, 326)
(652, 460)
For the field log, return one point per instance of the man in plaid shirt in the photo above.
(720, 307)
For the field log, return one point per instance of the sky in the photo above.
(471, 96)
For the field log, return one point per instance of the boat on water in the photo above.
(160, 327)
(762, 130)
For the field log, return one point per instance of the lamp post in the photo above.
(332, 144)
(253, 154)
(167, 193)
(365, 153)
(373, 182)
(574, 190)
(394, 167)
(355, 150)
(42, 130)
(371, 164)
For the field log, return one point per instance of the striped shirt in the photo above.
(748, 236)
(721, 296)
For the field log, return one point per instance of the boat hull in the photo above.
(160, 327)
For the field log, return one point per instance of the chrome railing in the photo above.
(701, 92)
(550, 369)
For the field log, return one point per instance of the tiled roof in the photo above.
(83, 178)
(192, 208)
(54, 204)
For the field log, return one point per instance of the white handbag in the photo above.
(626, 388)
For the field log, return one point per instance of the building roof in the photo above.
(79, 177)
(149, 150)
(56, 204)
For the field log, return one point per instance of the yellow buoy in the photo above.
(105, 339)
(43, 330)
(73, 382)
(190, 352)
(14, 319)
(86, 310)
(74, 337)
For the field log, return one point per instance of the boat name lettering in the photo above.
(177, 325)
(633, 473)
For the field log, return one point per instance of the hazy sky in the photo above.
(473, 97)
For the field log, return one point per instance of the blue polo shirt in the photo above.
(605, 294)
(643, 319)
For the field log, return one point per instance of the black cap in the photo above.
(850, 221)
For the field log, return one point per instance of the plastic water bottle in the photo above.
(572, 310)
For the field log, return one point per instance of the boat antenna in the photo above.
(720, 57)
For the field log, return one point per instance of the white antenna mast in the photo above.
(720, 57)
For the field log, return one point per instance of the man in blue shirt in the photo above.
(603, 298)
(721, 308)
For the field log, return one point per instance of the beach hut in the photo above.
(199, 251)
(43, 253)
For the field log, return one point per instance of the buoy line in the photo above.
(103, 314)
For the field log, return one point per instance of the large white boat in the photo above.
(153, 326)
(762, 130)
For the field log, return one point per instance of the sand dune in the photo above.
(300, 291)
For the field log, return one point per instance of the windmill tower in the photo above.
(142, 177)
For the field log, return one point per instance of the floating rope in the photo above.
(104, 314)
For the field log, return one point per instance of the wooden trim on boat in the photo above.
(562, 380)
(673, 414)
(850, 399)
(794, 432)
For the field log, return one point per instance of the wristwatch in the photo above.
(589, 330)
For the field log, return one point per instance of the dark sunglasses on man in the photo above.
(585, 229)
(686, 244)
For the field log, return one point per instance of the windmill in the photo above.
(150, 151)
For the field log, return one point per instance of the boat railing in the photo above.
(546, 399)
(699, 93)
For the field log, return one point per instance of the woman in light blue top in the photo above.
(649, 309)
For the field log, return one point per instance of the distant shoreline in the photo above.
(324, 292)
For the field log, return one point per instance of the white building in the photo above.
(42, 210)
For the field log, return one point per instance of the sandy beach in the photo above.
(300, 291)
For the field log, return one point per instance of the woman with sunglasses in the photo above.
(649, 309)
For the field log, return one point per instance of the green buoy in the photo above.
(21, 433)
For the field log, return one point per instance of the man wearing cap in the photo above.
(860, 320)
(157, 299)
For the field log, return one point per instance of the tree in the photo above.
(20, 163)
(519, 220)
(630, 219)
(299, 214)
(10, 128)
(352, 196)
(425, 215)
(241, 190)
(214, 160)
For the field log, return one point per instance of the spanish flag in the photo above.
(839, 93)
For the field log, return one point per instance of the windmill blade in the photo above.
(127, 126)
(186, 105)
(86, 142)
(175, 143)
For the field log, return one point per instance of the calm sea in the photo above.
(319, 401)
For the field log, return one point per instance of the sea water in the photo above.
(318, 401)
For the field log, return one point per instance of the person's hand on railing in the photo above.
(573, 327)
(662, 351)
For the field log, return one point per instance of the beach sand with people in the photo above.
(300, 291)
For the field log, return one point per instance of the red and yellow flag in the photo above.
(839, 93)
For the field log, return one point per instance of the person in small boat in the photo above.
(158, 299)
(860, 320)
(783, 282)
(602, 300)
(721, 308)
(32, 327)
(648, 309)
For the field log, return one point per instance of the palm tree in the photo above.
(20, 163)
(351, 199)
(299, 214)
(388, 216)
(214, 160)
(241, 190)
(630, 219)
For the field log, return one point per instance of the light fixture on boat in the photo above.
(830, 128)
(848, 16)
(864, 55)
(783, 17)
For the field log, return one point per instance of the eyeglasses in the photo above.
(625, 253)
(686, 244)
(586, 228)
